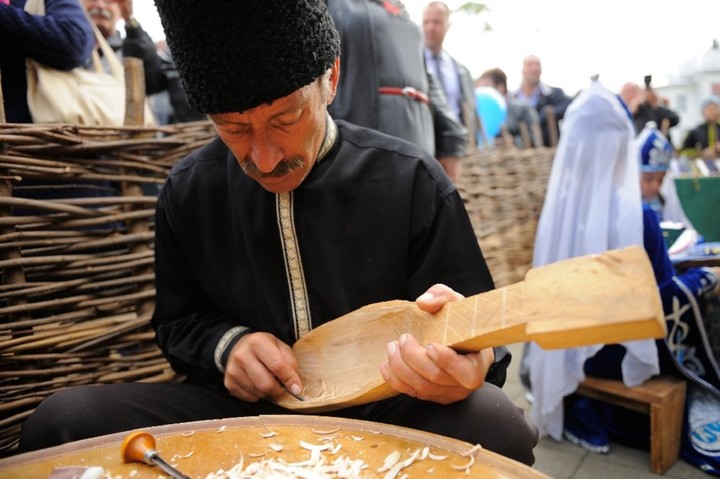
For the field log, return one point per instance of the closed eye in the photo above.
(288, 118)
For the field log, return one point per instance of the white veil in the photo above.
(593, 204)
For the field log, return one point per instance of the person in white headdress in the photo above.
(593, 204)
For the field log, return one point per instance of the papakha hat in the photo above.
(233, 55)
(654, 149)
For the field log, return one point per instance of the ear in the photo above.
(334, 78)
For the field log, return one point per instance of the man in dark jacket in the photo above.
(454, 77)
(704, 140)
(550, 102)
(286, 221)
(385, 84)
(652, 110)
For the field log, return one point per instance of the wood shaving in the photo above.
(222, 429)
(356, 438)
(472, 450)
(464, 467)
(437, 457)
(188, 454)
(314, 447)
(257, 454)
(276, 447)
(424, 453)
(326, 431)
(390, 460)
(269, 434)
(395, 469)
(188, 434)
(336, 448)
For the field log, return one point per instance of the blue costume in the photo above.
(684, 352)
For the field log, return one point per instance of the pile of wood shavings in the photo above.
(320, 466)
(317, 466)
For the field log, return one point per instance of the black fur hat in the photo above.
(233, 55)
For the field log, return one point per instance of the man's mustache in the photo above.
(283, 168)
(100, 12)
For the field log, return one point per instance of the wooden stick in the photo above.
(525, 135)
(552, 126)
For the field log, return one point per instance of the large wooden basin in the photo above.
(201, 448)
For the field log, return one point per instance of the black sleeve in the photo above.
(138, 44)
(62, 38)
(188, 325)
(497, 374)
(560, 101)
(691, 141)
(672, 117)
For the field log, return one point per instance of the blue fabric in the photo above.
(655, 150)
(61, 39)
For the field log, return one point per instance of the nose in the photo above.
(264, 154)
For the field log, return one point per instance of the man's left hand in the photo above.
(434, 372)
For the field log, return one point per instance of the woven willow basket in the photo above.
(503, 190)
(77, 290)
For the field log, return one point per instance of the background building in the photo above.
(688, 86)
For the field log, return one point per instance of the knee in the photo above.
(506, 428)
(62, 417)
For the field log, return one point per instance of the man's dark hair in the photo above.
(497, 76)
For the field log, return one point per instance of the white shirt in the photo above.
(443, 69)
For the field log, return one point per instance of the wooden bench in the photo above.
(663, 398)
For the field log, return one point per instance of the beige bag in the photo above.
(80, 96)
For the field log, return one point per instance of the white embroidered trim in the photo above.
(293, 265)
(223, 343)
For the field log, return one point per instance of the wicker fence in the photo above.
(77, 290)
(504, 190)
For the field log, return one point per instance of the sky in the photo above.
(621, 40)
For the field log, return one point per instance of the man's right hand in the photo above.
(257, 364)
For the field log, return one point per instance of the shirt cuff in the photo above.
(228, 340)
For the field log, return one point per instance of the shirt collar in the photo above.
(330, 137)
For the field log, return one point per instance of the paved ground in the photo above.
(563, 460)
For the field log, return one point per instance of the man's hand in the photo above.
(434, 372)
(126, 8)
(255, 365)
